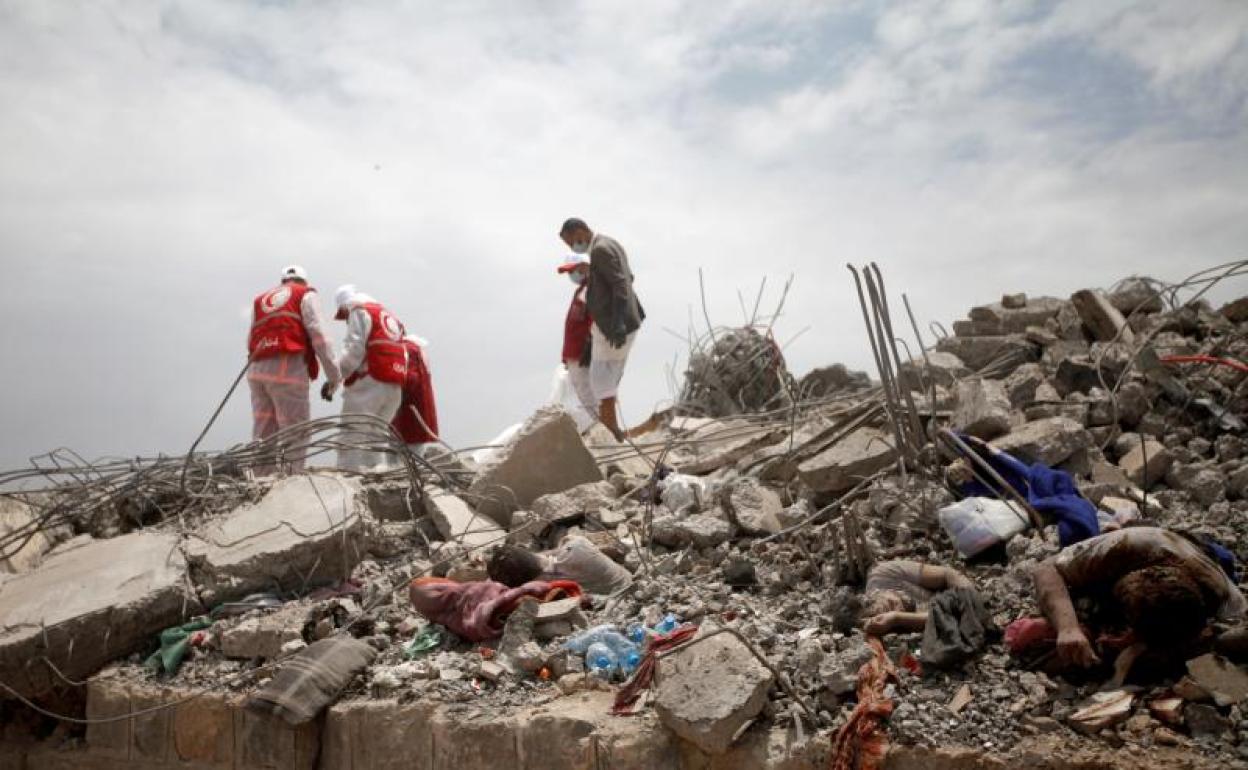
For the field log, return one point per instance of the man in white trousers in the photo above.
(374, 363)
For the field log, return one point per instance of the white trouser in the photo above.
(368, 396)
(606, 366)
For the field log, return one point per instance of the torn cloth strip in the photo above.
(861, 742)
(1050, 491)
(477, 610)
(632, 690)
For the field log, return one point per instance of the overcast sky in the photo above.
(160, 162)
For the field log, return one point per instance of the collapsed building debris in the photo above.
(752, 524)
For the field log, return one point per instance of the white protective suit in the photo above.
(366, 395)
(279, 384)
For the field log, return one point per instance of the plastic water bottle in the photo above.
(581, 642)
(667, 624)
(601, 660)
(637, 634)
(630, 662)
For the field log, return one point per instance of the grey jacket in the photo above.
(610, 297)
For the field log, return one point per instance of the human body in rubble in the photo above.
(416, 422)
(1161, 587)
(615, 314)
(286, 346)
(898, 592)
(374, 362)
(577, 347)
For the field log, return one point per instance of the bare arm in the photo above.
(895, 623)
(1053, 597)
(935, 578)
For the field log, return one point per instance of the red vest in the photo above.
(386, 358)
(576, 328)
(277, 325)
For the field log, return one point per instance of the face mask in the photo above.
(577, 278)
(580, 247)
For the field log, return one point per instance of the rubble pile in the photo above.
(756, 526)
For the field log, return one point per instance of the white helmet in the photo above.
(343, 295)
(294, 272)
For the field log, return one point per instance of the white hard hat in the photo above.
(294, 271)
(343, 295)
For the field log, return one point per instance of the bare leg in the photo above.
(606, 413)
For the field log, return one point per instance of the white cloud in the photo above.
(162, 161)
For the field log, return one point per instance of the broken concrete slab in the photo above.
(306, 528)
(1225, 681)
(266, 635)
(1135, 295)
(1146, 462)
(1100, 317)
(1050, 441)
(941, 367)
(1106, 710)
(977, 352)
(723, 444)
(845, 463)
(753, 507)
(547, 455)
(86, 606)
(1022, 383)
(984, 409)
(698, 530)
(457, 522)
(1012, 318)
(561, 507)
(709, 690)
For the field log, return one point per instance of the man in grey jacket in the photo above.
(615, 310)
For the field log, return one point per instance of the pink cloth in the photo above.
(476, 611)
(276, 406)
(1026, 634)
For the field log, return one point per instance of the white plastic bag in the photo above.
(580, 560)
(563, 394)
(978, 523)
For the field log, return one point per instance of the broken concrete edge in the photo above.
(90, 605)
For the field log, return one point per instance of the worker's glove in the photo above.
(327, 390)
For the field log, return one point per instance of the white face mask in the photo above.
(580, 247)
(577, 277)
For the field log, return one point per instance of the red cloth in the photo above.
(861, 742)
(628, 694)
(277, 325)
(576, 328)
(476, 611)
(384, 360)
(1026, 634)
(418, 395)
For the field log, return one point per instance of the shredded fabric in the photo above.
(476, 611)
(631, 691)
(313, 679)
(861, 742)
(175, 642)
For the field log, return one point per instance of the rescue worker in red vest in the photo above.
(374, 363)
(576, 336)
(286, 343)
(417, 419)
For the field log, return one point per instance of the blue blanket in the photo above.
(1050, 491)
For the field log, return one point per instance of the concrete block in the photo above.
(697, 530)
(1146, 462)
(266, 742)
(942, 367)
(721, 445)
(709, 690)
(456, 521)
(844, 464)
(263, 637)
(466, 738)
(106, 598)
(562, 507)
(1050, 441)
(203, 731)
(306, 528)
(984, 409)
(546, 456)
(1100, 317)
(108, 699)
(978, 352)
(753, 507)
(378, 735)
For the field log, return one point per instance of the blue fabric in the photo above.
(1223, 556)
(1049, 490)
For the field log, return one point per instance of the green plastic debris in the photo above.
(174, 643)
(430, 638)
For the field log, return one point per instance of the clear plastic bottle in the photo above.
(629, 662)
(668, 624)
(637, 634)
(581, 642)
(601, 661)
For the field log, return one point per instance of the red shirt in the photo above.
(576, 328)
